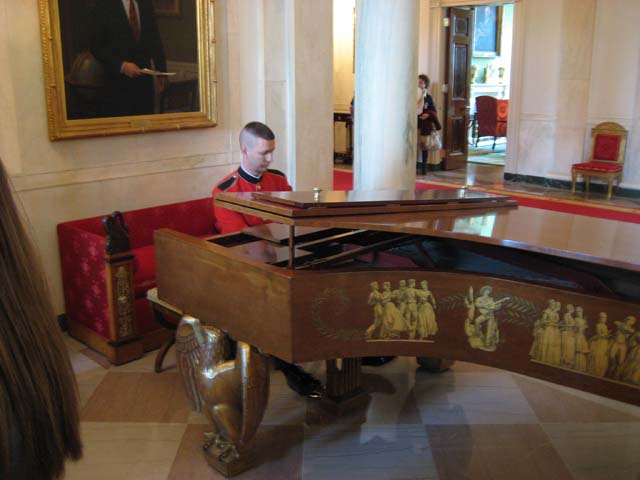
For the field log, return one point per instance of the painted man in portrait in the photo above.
(126, 40)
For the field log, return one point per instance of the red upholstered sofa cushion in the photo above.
(82, 253)
(597, 167)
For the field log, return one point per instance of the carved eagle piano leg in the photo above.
(232, 393)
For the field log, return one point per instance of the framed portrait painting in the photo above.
(166, 82)
(487, 31)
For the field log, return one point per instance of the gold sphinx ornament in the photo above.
(232, 393)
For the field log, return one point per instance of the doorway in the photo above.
(434, 59)
(489, 83)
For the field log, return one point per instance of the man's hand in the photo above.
(424, 116)
(131, 70)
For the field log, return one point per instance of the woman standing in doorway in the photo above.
(428, 123)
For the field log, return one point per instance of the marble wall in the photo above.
(257, 80)
(614, 91)
(580, 67)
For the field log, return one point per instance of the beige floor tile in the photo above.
(138, 397)
(392, 399)
(598, 451)
(72, 344)
(82, 363)
(97, 358)
(285, 406)
(554, 405)
(147, 363)
(453, 398)
(88, 382)
(494, 452)
(126, 451)
(626, 408)
(340, 452)
(278, 455)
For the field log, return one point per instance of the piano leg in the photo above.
(344, 392)
(231, 392)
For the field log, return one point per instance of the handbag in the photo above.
(431, 142)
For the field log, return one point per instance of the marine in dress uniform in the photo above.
(228, 221)
(257, 143)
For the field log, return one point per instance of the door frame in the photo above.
(434, 52)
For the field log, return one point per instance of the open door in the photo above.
(458, 66)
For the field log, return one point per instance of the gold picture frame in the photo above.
(167, 8)
(487, 31)
(203, 114)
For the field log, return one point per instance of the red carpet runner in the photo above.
(343, 180)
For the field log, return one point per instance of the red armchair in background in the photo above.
(108, 264)
(608, 143)
(492, 116)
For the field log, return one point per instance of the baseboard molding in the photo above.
(566, 185)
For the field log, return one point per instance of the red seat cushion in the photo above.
(144, 270)
(597, 167)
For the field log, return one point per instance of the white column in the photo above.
(385, 135)
(309, 80)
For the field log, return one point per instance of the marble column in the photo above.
(385, 134)
(308, 38)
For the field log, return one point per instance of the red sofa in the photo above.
(106, 277)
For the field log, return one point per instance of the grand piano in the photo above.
(439, 275)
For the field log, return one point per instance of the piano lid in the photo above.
(351, 198)
(288, 207)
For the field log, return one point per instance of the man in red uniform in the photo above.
(257, 143)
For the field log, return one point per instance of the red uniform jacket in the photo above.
(228, 221)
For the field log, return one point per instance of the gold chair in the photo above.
(608, 143)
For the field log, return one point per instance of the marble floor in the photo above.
(491, 176)
(472, 422)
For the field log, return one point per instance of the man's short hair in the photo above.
(254, 130)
